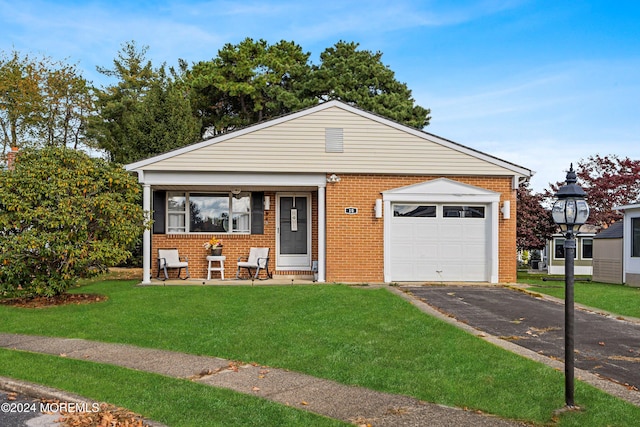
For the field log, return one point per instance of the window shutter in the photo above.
(257, 212)
(159, 206)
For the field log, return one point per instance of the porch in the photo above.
(287, 219)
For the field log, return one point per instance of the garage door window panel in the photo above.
(463, 211)
(414, 211)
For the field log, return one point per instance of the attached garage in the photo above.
(440, 230)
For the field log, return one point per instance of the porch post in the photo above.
(494, 276)
(146, 235)
(322, 242)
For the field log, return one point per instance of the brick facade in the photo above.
(355, 247)
(355, 242)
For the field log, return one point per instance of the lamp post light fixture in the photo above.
(570, 211)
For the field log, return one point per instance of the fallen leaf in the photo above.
(255, 388)
(303, 403)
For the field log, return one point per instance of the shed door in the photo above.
(439, 242)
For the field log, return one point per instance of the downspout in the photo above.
(322, 238)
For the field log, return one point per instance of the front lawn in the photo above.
(618, 299)
(360, 336)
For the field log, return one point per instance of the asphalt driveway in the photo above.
(604, 345)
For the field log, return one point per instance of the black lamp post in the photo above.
(570, 211)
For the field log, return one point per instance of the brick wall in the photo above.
(356, 241)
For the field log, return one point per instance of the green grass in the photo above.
(359, 336)
(174, 402)
(618, 299)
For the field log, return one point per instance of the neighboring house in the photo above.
(363, 198)
(631, 244)
(608, 254)
(583, 259)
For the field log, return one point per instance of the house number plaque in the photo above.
(351, 211)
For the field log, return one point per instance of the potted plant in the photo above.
(214, 245)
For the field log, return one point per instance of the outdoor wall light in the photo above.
(506, 209)
(570, 211)
(378, 208)
(333, 178)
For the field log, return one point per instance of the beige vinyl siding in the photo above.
(298, 145)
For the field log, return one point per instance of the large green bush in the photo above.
(63, 215)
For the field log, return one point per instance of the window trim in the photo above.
(187, 215)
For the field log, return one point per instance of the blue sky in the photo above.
(538, 83)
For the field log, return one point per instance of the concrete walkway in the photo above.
(355, 405)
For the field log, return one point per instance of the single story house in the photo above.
(608, 254)
(339, 191)
(631, 243)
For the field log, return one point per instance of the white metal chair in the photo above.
(169, 258)
(258, 259)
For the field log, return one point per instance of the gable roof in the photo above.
(296, 143)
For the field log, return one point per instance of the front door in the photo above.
(293, 232)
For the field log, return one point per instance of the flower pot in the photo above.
(216, 251)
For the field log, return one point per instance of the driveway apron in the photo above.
(606, 346)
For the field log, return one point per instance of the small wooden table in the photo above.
(219, 259)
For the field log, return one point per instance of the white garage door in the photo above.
(439, 242)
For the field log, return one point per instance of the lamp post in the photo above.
(569, 211)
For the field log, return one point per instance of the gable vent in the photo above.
(333, 140)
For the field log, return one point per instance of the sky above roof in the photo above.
(540, 83)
